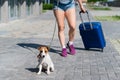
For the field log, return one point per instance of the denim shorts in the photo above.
(63, 7)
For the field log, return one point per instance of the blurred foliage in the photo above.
(97, 0)
(108, 18)
(100, 8)
(47, 6)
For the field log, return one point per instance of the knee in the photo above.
(72, 28)
(61, 28)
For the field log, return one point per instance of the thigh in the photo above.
(71, 17)
(60, 17)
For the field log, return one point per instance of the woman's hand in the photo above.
(83, 10)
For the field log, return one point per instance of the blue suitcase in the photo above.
(92, 34)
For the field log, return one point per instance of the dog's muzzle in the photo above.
(43, 56)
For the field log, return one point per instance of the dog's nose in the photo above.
(43, 56)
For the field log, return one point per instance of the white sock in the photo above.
(64, 46)
(70, 42)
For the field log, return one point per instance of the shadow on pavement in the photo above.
(90, 49)
(35, 70)
(32, 69)
(31, 45)
(35, 46)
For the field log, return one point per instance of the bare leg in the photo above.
(71, 18)
(60, 17)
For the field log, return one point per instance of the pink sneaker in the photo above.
(71, 49)
(64, 52)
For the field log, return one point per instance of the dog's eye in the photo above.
(45, 51)
(40, 51)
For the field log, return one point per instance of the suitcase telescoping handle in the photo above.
(83, 21)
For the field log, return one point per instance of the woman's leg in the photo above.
(71, 18)
(60, 17)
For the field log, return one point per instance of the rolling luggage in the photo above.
(92, 34)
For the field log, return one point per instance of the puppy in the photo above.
(44, 60)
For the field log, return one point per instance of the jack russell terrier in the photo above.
(44, 60)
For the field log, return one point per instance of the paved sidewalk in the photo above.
(17, 62)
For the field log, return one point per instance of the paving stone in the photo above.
(20, 40)
(104, 77)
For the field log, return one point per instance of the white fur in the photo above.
(45, 62)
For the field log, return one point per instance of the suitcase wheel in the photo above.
(86, 48)
(102, 50)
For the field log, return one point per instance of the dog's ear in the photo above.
(48, 48)
(39, 48)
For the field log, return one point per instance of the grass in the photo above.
(91, 6)
(43, 11)
(108, 18)
(100, 8)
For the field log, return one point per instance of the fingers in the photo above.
(83, 10)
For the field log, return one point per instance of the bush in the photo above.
(47, 6)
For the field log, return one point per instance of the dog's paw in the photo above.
(39, 73)
(48, 72)
(52, 69)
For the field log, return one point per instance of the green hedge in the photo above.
(47, 6)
